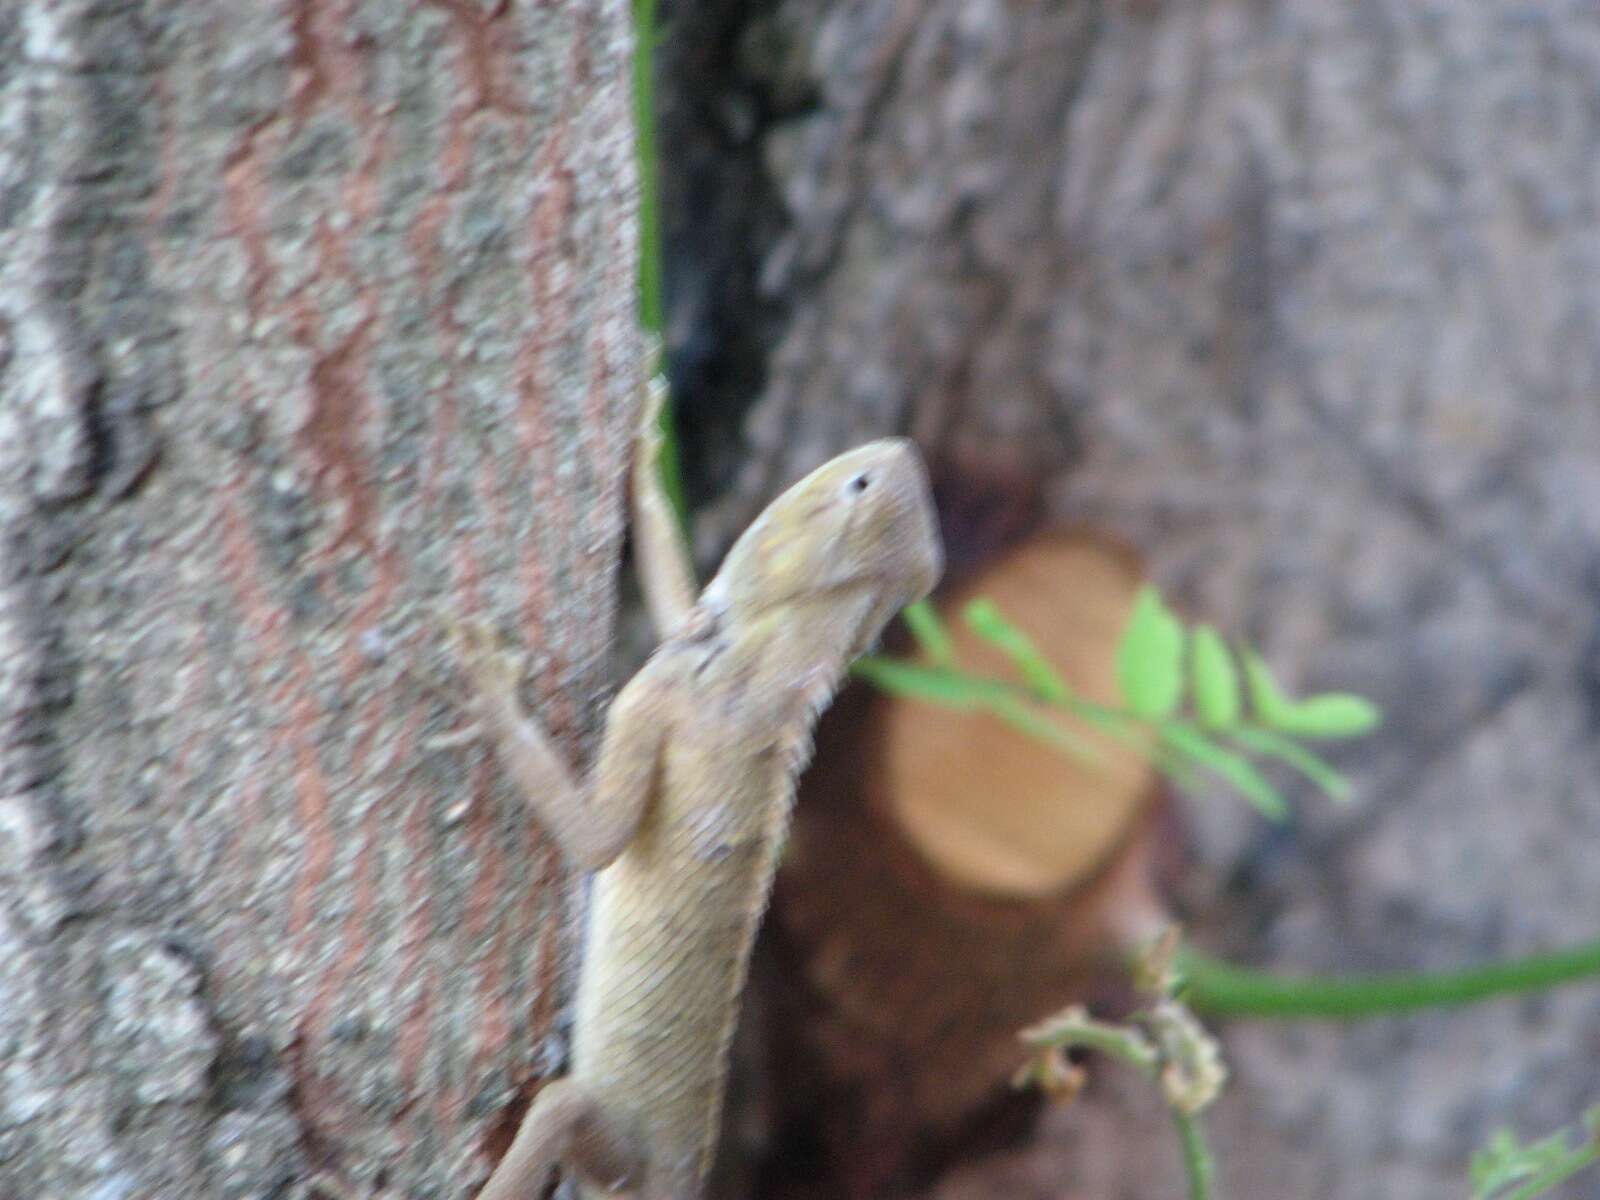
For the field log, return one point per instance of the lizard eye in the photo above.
(859, 484)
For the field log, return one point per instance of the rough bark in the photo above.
(1303, 299)
(313, 317)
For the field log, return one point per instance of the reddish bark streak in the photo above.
(468, 578)
(594, 545)
(257, 611)
(551, 217)
(494, 494)
(313, 1021)
(246, 869)
(355, 939)
(535, 603)
(455, 152)
(340, 409)
(486, 55)
(368, 613)
(311, 790)
(582, 59)
(423, 238)
(325, 65)
(298, 736)
(324, 62)
(494, 1027)
(413, 1035)
(244, 203)
(364, 188)
(307, 81)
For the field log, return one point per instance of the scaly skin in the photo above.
(690, 801)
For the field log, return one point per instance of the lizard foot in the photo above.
(493, 670)
(432, 683)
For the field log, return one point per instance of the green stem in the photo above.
(1218, 989)
(1558, 1174)
(1197, 1160)
(652, 300)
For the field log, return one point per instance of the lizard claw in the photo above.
(494, 670)
(655, 399)
(493, 674)
(648, 445)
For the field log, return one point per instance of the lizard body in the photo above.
(690, 801)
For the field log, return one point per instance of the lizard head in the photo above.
(862, 522)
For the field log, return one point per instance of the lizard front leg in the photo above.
(591, 835)
(591, 824)
(666, 571)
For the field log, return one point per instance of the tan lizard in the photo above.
(690, 800)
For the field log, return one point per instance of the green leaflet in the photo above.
(1216, 681)
(1534, 1168)
(984, 619)
(1150, 658)
(1267, 699)
(1329, 715)
(1333, 715)
(928, 631)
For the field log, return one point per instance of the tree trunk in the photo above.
(315, 318)
(1303, 300)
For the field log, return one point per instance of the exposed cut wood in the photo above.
(990, 807)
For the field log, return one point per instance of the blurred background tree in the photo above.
(1302, 301)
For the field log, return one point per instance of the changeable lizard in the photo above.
(690, 800)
